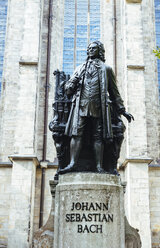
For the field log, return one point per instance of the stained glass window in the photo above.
(3, 20)
(81, 26)
(157, 19)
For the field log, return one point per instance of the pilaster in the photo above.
(19, 96)
(22, 200)
(25, 130)
(5, 179)
(107, 30)
(137, 197)
(135, 82)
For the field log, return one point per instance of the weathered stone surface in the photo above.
(5, 189)
(133, 1)
(154, 186)
(21, 213)
(137, 199)
(132, 238)
(43, 238)
(89, 211)
(152, 114)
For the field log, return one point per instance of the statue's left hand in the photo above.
(128, 116)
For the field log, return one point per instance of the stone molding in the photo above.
(6, 164)
(43, 164)
(133, 1)
(27, 60)
(52, 165)
(136, 67)
(23, 62)
(24, 157)
(135, 160)
(154, 166)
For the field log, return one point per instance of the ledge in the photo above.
(52, 165)
(93, 179)
(136, 67)
(24, 62)
(152, 166)
(133, 1)
(15, 157)
(6, 164)
(135, 160)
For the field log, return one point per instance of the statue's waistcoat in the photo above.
(90, 93)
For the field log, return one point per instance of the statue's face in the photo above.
(93, 50)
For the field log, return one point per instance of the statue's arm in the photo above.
(114, 92)
(72, 84)
(115, 96)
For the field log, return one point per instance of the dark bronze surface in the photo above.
(87, 127)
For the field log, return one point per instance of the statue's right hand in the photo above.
(128, 116)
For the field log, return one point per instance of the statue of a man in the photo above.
(93, 87)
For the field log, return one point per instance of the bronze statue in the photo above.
(94, 120)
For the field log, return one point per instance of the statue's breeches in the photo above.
(95, 127)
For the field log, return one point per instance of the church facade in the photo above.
(41, 36)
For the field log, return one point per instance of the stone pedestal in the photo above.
(89, 211)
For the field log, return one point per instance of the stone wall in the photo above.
(49, 175)
(20, 78)
(3, 21)
(5, 181)
(137, 199)
(22, 195)
(136, 71)
(56, 62)
(154, 187)
(37, 199)
(10, 77)
(151, 81)
(50, 172)
(25, 55)
(23, 98)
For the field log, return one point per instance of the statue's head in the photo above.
(96, 50)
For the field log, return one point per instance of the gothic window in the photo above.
(81, 26)
(3, 19)
(157, 19)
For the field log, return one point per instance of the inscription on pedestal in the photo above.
(95, 212)
(89, 211)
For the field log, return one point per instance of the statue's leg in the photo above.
(98, 150)
(75, 147)
(98, 144)
(116, 153)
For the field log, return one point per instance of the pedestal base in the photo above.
(89, 211)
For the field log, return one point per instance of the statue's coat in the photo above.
(108, 92)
